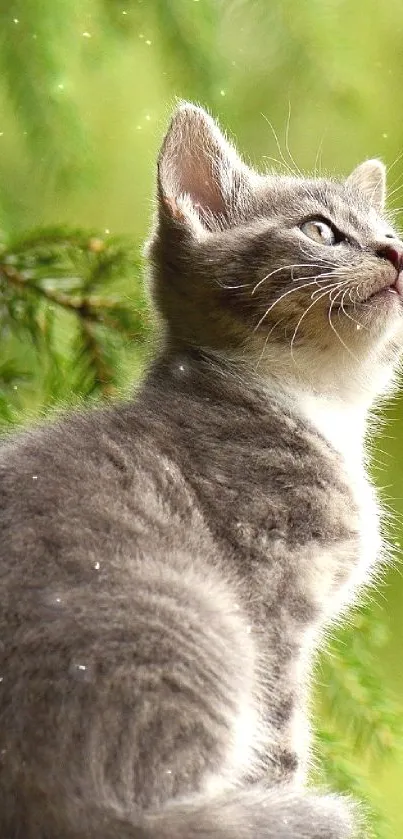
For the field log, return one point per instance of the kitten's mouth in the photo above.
(395, 288)
(389, 293)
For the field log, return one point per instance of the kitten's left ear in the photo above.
(370, 178)
(201, 178)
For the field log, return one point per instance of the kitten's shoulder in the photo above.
(70, 451)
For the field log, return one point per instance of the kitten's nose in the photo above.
(394, 253)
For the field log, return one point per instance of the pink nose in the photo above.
(394, 253)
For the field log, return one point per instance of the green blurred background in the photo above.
(86, 89)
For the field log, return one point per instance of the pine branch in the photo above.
(73, 272)
(102, 373)
(94, 309)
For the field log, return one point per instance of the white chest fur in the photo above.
(344, 428)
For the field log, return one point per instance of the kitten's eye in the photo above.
(319, 231)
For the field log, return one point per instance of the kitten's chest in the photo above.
(344, 431)
(367, 515)
(288, 517)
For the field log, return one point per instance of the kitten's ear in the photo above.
(370, 178)
(201, 178)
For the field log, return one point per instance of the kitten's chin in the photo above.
(379, 312)
(390, 295)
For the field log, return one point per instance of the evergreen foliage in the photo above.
(76, 161)
(57, 280)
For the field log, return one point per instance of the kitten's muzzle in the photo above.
(394, 254)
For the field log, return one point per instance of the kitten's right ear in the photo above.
(201, 178)
(370, 178)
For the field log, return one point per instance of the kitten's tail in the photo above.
(250, 813)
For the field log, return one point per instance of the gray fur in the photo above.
(168, 565)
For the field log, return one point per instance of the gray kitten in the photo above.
(168, 565)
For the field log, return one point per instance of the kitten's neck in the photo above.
(341, 416)
(337, 382)
(342, 423)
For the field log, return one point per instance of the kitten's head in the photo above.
(301, 277)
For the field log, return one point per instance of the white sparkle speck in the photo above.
(148, 117)
(359, 326)
(181, 368)
(222, 92)
(61, 86)
(15, 20)
(107, 230)
(1, 678)
(97, 566)
(34, 477)
(81, 667)
(149, 43)
(1, 133)
(87, 35)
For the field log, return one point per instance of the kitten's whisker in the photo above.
(322, 260)
(284, 161)
(273, 159)
(308, 254)
(325, 261)
(357, 323)
(318, 158)
(324, 293)
(283, 268)
(339, 266)
(322, 274)
(395, 188)
(393, 164)
(396, 185)
(330, 285)
(267, 340)
(313, 281)
(287, 137)
(232, 287)
(329, 316)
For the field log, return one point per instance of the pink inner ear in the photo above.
(197, 161)
(198, 177)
